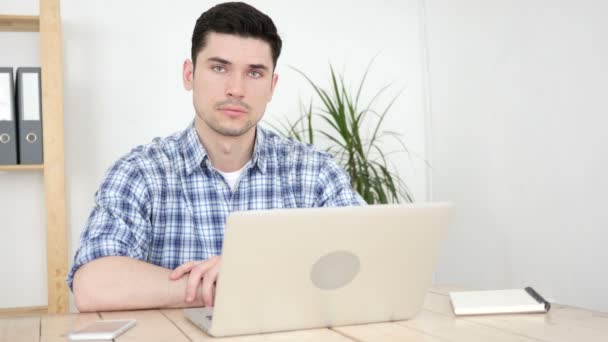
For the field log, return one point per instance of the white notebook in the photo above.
(498, 302)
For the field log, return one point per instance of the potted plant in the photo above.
(342, 117)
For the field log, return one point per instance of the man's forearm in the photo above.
(123, 283)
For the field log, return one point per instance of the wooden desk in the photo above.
(434, 323)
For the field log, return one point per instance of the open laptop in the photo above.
(290, 269)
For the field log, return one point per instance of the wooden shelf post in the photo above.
(54, 161)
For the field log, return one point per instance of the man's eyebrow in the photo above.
(259, 66)
(218, 60)
(226, 62)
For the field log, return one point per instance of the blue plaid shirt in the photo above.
(165, 204)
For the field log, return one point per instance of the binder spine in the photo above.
(29, 105)
(8, 120)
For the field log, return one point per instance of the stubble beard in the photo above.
(217, 127)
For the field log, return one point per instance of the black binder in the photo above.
(29, 109)
(8, 121)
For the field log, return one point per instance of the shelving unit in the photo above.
(21, 167)
(48, 24)
(19, 23)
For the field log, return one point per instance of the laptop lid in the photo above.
(290, 269)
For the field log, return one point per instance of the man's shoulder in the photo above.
(162, 154)
(288, 148)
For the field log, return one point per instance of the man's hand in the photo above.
(205, 270)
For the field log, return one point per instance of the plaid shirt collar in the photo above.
(195, 154)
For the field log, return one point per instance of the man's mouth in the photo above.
(233, 111)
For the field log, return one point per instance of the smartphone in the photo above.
(102, 330)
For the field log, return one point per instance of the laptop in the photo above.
(292, 269)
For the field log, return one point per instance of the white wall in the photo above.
(520, 116)
(122, 79)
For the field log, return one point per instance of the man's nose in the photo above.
(235, 86)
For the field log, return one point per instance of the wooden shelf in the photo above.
(19, 23)
(48, 24)
(23, 311)
(21, 167)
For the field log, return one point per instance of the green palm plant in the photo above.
(361, 156)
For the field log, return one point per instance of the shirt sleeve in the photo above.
(119, 224)
(333, 187)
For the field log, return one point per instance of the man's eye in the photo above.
(255, 74)
(218, 68)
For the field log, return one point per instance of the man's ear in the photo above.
(275, 79)
(188, 74)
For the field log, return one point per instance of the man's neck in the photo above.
(227, 154)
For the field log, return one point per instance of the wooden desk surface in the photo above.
(434, 323)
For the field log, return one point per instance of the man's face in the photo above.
(232, 83)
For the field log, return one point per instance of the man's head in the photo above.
(236, 18)
(234, 52)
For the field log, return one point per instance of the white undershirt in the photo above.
(232, 178)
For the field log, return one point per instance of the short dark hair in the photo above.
(236, 18)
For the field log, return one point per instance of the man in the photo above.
(154, 237)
